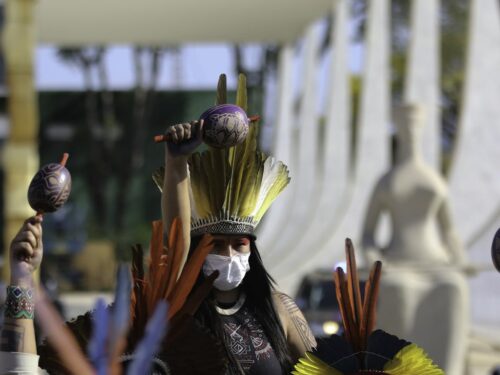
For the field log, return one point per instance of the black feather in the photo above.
(336, 352)
(384, 346)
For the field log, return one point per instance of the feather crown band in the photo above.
(232, 188)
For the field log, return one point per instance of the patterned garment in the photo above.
(249, 344)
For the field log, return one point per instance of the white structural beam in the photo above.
(282, 149)
(422, 77)
(315, 227)
(475, 177)
(160, 22)
(372, 149)
(303, 183)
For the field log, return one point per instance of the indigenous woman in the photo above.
(225, 192)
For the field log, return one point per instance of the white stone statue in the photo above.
(424, 292)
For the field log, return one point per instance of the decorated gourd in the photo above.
(224, 125)
(50, 187)
(495, 250)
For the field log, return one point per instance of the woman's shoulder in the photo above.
(284, 302)
(294, 323)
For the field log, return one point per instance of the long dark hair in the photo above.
(258, 286)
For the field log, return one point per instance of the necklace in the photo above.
(234, 309)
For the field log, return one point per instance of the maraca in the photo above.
(495, 250)
(50, 187)
(224, 125)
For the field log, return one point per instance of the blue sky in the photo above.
(200, 66)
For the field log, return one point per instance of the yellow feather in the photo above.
(412, 360)
(279, 184)
(312, 365)
(241, 92)
(221, 90)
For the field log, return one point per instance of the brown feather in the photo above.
(349, 323)
(60, 337)
(176, 250)
(194, 301)
(156, 276)
(353, 282)
(370, 302)
(137, 296)
(190, 274)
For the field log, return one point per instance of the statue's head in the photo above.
(408, 119)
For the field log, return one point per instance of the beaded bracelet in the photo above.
(19, 303)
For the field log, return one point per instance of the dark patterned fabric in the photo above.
(249, 344)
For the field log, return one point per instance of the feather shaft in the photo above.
(353, 282)
(370, 302)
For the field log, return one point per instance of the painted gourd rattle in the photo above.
(224, 125)
(50, 187)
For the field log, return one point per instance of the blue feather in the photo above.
(150, 344)
(121, 307)
(97, 345)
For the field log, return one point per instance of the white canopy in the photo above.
(161, 22)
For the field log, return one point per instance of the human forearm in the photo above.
(18, 332)
(18, 335)
(175, 194)
(25, 253)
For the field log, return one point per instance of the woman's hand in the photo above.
(184, 138)
(26, 251)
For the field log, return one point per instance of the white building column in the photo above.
(333, 163)
(422, 74)
(372, 148)
(304, 182)
(475, 175)
(282, 149)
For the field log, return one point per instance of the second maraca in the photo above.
(50, 187)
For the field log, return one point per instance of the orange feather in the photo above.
(190, 274)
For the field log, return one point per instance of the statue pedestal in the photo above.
(429, 307)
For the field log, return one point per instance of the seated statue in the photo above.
(424, 294)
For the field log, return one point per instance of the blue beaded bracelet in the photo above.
(19, 303)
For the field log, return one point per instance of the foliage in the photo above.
(141, 203)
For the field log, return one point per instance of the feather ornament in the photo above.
(97, 349)
(363, 350)
(412, 360)
(312, 365)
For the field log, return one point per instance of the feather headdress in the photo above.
(232, 188)
(363, 351)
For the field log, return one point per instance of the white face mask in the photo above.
(231, 269)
